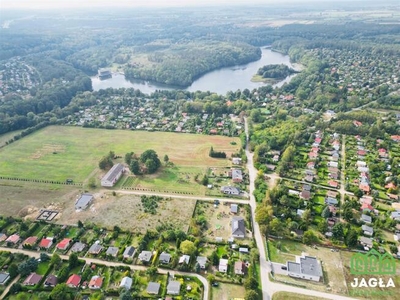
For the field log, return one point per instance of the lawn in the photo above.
(7, 136)
(60, 152)
(42, 268)
(290, 296)
(226, 291)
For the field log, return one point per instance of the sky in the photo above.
(39, 4)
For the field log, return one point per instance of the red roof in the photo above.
(333, 183)
(390, 185)
(63, 244)
(382, 150)
(364, 187)
(96, 281)
(13, 238)
(45, 243)
(367, 206)
(74, 280)
(30, 240)
(318, 140)
(395, 138)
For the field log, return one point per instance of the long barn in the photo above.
(112, 176)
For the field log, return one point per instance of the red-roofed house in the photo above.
(365, 187)
(311, 165)
(333, 183)
(74, 280)
(312, 155)
(390, 185)
(95, 283)
(361, 152)
(395, 138)
(46, 243)
(318, 140)
(13, 239)
(30, 241)
(32, 279)
(64, 244)
(213, 131)
(367, 207)
(357, 123)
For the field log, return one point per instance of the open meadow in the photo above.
(58, 152)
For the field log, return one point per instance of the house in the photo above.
(78, 247)
(13, 239)
(126, 283)
(311, 165)
(331, 194)
(95, 249)
(366, 242)
(305, 267)
(64, 244)
(300, 212)
(46, 243)
(184, 259)
(174, 288)
(30, 241)
(165, 258)
(367, 207)
(395, 138)
(129, 252)
(145, 256)
(306, 187)
(390, 185)
(238, 227)
(362, 164)
(223, 265)
(237, 175)
(51, 281)
(4, 277)
(202, 261)
(112, 251)
(364, 187)
(312, 155)
(294, 193)
(333, 183)
(230, 190)
(367, 230)
(357, 123)
(275, 158)
(32, 279)
(395, 215)
(95, 283)
(333, 164)
(240, 268)
(366, 219)
(153, 288)
(236, 160)
(73, 281)
(234, 208)
(366, 200)
(113, 175)
(84, 201)
(305, 195)
(309, 178)
(331, 201)
(3, 237)
(244, 250)
(332, 210)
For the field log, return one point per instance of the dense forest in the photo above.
(275, 71)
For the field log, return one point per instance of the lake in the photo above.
(218, 81)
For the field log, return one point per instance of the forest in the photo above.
(275, 71)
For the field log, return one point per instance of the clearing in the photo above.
(290, 296)
(226, 291)
(61, 152)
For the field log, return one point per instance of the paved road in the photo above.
(268, 287)
(36, 254)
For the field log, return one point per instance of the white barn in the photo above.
(112, 176)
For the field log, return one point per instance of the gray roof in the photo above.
(230, 190)
(153, 288)
(330, 200)
(95, 248)
(395, 214)
(366, 218)
(114, 171)
(129, 251)
(113, 251)
(165, 257)
(51, 280)
(237, 174)
(306, 187)
(238, 227)
(366, 241)
(202, 261)
(293, 267)
(84, 201)
(78, 247)
(367, 228)
(4, 277)
(145, 256)
(173, 287)
(310, 266)
(126, 282)
(234, 208)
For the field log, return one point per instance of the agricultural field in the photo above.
(127, 212)
(59, 152)
(290, 296)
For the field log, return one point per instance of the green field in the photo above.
(59, 152)
(289, 296)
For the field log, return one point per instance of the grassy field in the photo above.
(60, 152)
(290, 296)
(7, 136)
(228, 291)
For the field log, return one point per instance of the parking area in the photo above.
(277, 268)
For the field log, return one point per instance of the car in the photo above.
(215, 284)
(284, 268)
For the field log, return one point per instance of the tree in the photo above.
(125, 295)
(44, 257)
(80, 224)
(15, 288)
(166, 159)
(151, 166)
(55, 260)
(351, 238)
(92, 182)
(310, 238)
(60, 292)
(251, 295)
(128, 158)
(188, 247)
(135, 167)
(13, 270)
(151, 271)
(105, 163)
(251, 283)
(73, 260)
(326, 212)
(338, 231)
(348, 214)
(204, 181)
(28, 267)
(306, 217)
(214, 258)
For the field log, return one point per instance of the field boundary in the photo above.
(41, 181)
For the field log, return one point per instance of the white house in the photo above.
(305, 267)
(113, 175)
(126, 283)
(223, 265)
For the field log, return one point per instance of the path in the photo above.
(118, 264)
(267, 286)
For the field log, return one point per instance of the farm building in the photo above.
(113, 175)
(84, 201)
